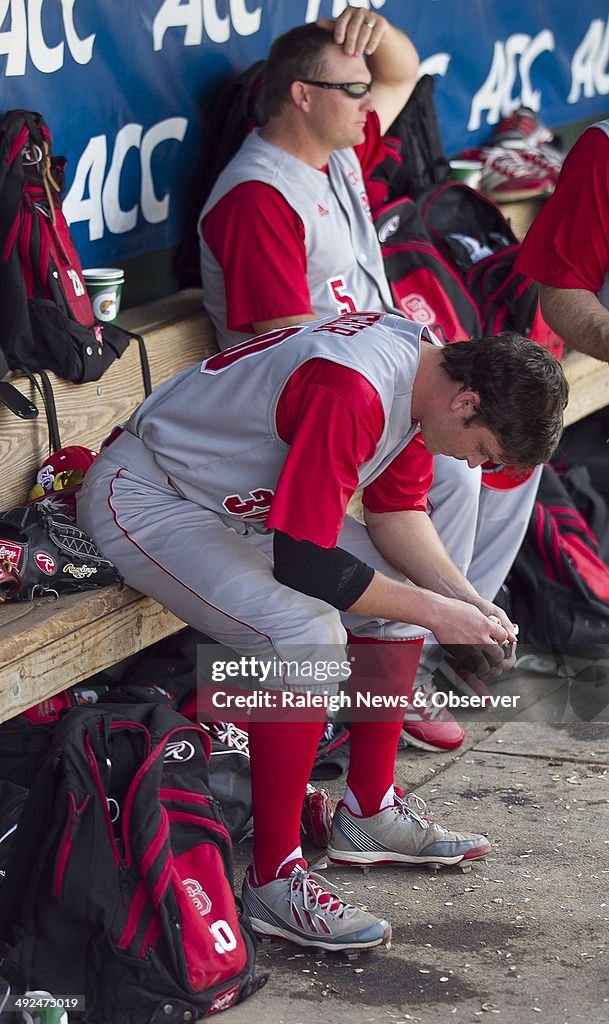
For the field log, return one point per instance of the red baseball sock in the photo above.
(282, 756)
(385, 668)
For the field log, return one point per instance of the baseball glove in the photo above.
(43, 552)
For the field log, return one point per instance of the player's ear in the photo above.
(300, 95)
(465, 402)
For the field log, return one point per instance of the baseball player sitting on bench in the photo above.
(217, 500)
(286, 236)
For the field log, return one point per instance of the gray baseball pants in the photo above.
(215, 572)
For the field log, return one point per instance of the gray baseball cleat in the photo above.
(303, 909)
(400, 835)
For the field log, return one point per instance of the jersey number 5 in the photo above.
(344, 302)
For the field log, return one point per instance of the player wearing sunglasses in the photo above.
(296, 187)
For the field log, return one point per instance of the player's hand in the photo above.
(509, 648)
(357, 30)
(473, 639)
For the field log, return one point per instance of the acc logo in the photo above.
(179, 751)
(417, 309)
(45, 562)
(389, 228)
(10, 552)
(198, 896)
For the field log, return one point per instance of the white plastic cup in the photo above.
(105, 286)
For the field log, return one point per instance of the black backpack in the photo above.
(449, 258)
(473, 236)
(48, 321)
(232, 111)
(559, 585)
(414, 158)
(121, 874)
(12, 799)
(425, 285)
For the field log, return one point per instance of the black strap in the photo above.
(118, 338)
(46, 391)
(145, 364)
(12, 398)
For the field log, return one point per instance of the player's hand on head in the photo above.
(357, 30)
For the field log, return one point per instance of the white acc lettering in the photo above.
(510, 59)
(314, 8)
(94, 193)
(590, 64)
(436, 64)
(196, 15)
(26, 35)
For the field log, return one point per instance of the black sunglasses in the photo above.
(354, 89)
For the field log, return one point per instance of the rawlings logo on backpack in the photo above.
(121, 875)
(47, 315)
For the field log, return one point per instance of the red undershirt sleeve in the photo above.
(405, 483)
(332, 418)
(258, 240)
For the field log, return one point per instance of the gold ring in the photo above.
(369, 24)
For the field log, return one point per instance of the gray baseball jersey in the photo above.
(344, 264)
(212, 428)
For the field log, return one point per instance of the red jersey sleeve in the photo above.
(371, 151)
(332, 418)
(254, 227)
(404, 484)
(567, 246)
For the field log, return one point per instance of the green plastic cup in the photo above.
(467, 171)
(105, 286)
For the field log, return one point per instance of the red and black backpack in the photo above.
(48, 320)
(121, 876)
(472, 234)
(559, 583)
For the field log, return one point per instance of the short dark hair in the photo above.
(296, 55)
(523, 392)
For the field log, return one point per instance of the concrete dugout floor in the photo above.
(522, 938)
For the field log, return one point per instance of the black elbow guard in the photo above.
(331, 574)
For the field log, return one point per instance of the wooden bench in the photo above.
(50, 645)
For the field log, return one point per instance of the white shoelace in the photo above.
(232, 736)
(506, 162)
(427, 688)
(413, 806)
(301, 881)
